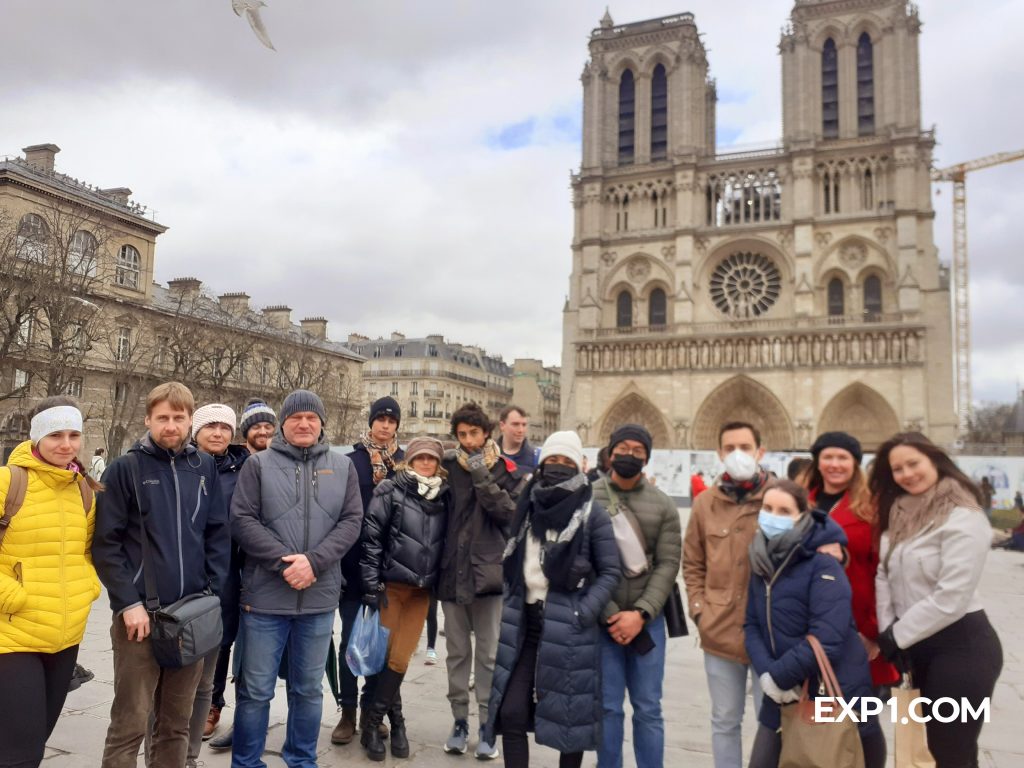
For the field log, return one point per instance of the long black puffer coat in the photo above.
(403, 535)
(568, 677)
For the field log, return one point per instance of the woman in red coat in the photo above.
(836, 483)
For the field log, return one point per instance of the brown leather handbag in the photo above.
(809, 743)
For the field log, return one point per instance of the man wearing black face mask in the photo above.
(633, 648)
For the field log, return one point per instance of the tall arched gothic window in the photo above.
(656, 312)
(624, 310)
(872, 297)
(829, 90)
(627, 110)
(836, 299)
(659, 113)
(865, 86)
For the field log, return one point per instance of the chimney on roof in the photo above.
(315, 327)
(185, 287)
(396, 336)
(279, 316)
(41, 156)
(355, 338)
(119, 195)
(437, 338)
(235, 303)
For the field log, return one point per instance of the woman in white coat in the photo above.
(935, 538)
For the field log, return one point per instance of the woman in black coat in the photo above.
(560, 569)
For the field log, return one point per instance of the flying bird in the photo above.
(251, 9)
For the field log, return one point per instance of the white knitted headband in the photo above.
(55, 419)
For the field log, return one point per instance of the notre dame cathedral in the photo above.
(797, 287)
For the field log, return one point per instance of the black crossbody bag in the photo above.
(185, 631)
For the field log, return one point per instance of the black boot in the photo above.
(399, 741)
(388, 683)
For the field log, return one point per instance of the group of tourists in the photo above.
(553, 582)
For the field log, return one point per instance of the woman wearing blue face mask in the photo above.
(796, 591)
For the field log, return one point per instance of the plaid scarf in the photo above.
(382, 457)
(739, 490)
(491, 455)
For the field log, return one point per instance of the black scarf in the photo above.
(559, 509)
(768, 555)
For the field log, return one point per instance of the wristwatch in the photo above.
(644, 614)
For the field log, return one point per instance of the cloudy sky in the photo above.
(404, 165)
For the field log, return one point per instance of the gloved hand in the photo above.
(476, 460)
(776, 694)
(895, 655)
(371, 599)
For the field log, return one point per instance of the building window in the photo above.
(415, 388)
(624, 310)
(865, 86)
(394, 389)
(25, 329)
(743, 197)
(120, 393)
(74, 387)
(412, 408)
(836, 299)
(745, 285)
(867, 190)
(124, 344)
(872, 297)
(830, 189)
(128, 267)
(77, 337)
(398, 351)
(20, 378)
(622, 215)
(627, 109)
(656, 313)
(32, 233)
(659, 113)
(265, 370)
(82, 256)
(829, 90)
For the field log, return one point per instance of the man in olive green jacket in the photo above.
(633, 648)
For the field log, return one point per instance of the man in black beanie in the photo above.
(633, 648)
(374, 457)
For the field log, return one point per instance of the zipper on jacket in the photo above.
(177, 505)
(305, 523)
(778, 571)
(298, 483)
(199, 498)
(316, 485)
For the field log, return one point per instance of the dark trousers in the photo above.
(347, 682)
(962, 661)
(517, 707)
(768, 748)
(32, 693)
(432, 623)
(230, 601)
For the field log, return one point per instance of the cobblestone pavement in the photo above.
(78, 738)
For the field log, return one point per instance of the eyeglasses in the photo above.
(636, 453)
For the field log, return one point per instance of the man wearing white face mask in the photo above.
(716, 569)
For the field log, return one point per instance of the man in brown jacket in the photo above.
(716, 569)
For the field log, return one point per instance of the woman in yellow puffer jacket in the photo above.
(47, 581)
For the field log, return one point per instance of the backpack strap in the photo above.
(15, 497)
(87, 494)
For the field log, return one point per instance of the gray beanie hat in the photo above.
(302, 400)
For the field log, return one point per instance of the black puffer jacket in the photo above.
(403, 535)
(568, 712)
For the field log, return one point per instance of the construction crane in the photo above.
(961, 300)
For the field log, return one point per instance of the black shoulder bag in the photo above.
(185, 631)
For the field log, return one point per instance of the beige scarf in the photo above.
(427, 487)
(911, 514)
(491, 455)
(382, 457)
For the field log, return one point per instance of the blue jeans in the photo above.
(623, 669)
(308, 639)
(727, 684)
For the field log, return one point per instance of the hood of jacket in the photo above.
(232, 459)
(54, 477)
(299, 454)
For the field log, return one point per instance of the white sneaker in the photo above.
(431, 659)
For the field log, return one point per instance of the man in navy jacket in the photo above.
(165, 481)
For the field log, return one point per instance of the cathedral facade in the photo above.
(798, 286)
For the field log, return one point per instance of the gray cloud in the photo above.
(358, 172)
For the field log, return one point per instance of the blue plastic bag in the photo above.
(367, 649)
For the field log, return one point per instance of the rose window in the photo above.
(745, 285)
